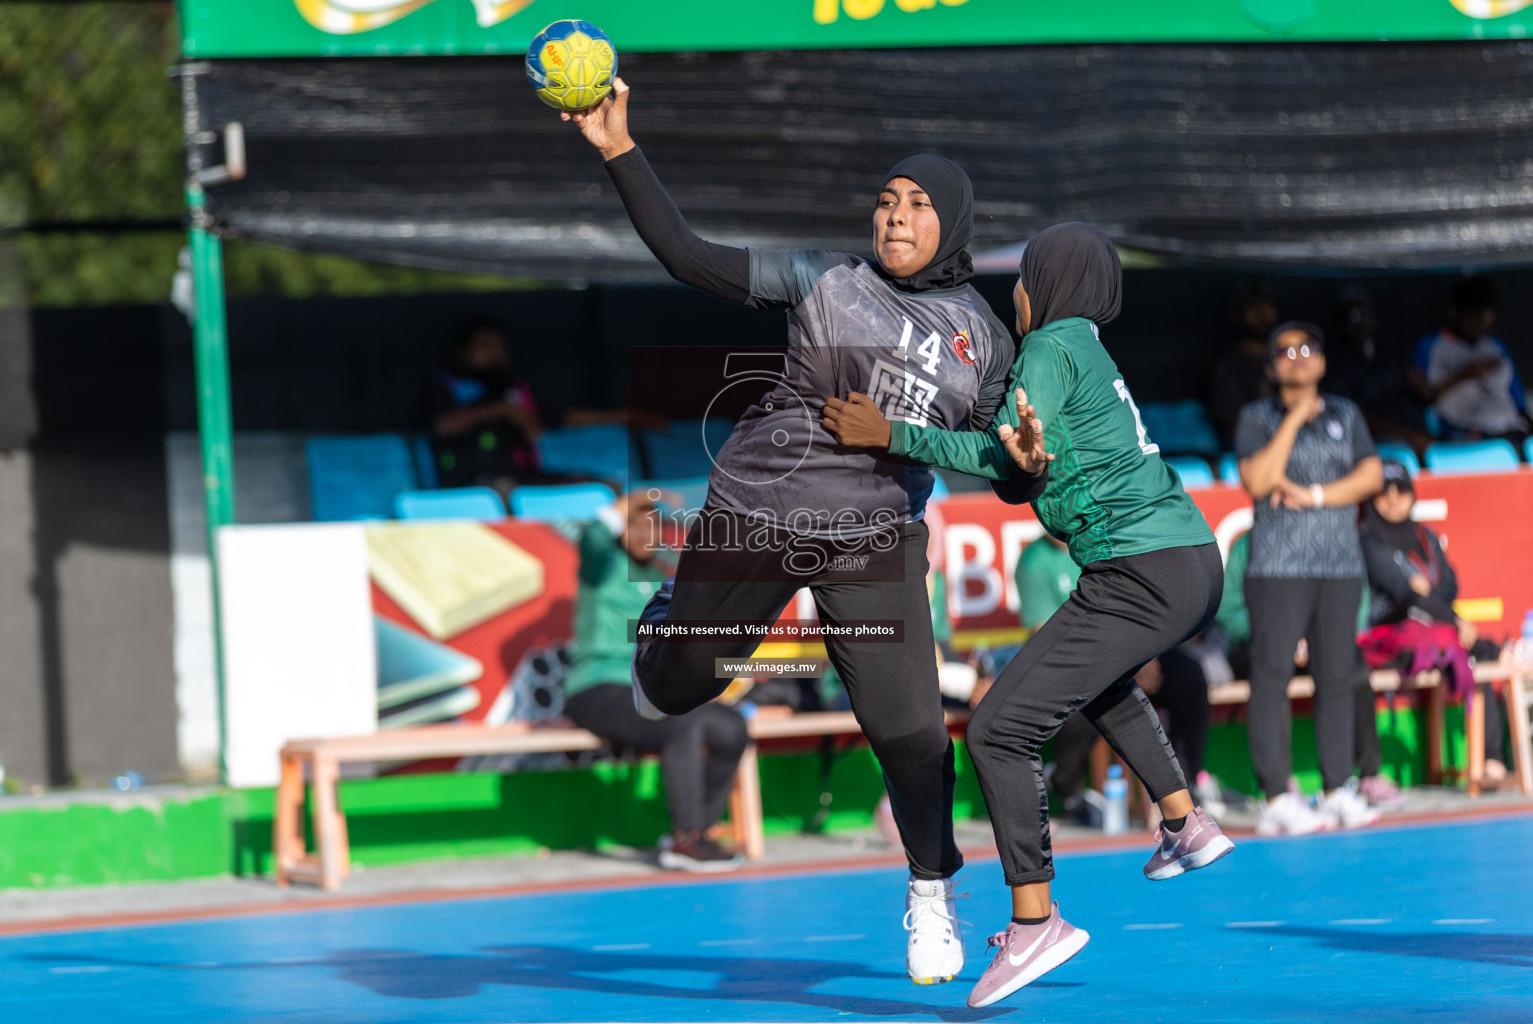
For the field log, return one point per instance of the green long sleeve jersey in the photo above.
(1109, 494)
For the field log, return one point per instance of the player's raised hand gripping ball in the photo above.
(571, 65)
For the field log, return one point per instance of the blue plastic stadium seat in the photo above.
(560, 501)
(682, 451)
(939, 488)
(479, 503)
(692, 492)
(357, 478)
(1193, 471)
(1527, 450)
(1229, 469)
(425, 461)
(1179, 427)
(603, 450)
(1493, 456)
(1394, 451)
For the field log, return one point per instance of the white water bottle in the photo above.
(1115, 815)
(1524, 649)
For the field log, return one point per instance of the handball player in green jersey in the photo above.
(1073, 445)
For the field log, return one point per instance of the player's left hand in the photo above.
(856, 422)
(1025, 442)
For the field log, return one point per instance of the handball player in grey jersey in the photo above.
(789, 507)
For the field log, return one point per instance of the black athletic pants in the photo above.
(1284, 611)
(698, 751)
(1183, 696)
(1124, 611)
(892, 686)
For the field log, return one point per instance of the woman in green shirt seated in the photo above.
(1151, 578)
(699, 751)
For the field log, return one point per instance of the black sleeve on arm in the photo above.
(1021, 488)
(720, 270)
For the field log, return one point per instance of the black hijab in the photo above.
(1072, 270)
(952, 196)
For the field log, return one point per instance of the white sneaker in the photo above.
(1287, 815)
(1208, 794)
(934, 951)
(1343, 808)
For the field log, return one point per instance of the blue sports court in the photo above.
(1411, 924)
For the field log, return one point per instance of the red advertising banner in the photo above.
(1486, 523)
(492, 648)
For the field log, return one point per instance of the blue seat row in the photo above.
(1179, 428)
(383, 476)
(609, 451)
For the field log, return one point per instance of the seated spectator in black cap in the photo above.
(1476, 390)
(1413, 625)
(1240, 375)
(1379, 377)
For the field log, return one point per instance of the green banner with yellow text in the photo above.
(314, 28)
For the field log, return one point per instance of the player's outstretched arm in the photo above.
(1013, 447)
(720, 270)
(857, 422)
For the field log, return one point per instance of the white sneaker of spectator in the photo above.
(1343, 808)
(1208, 794)
(1287, 814)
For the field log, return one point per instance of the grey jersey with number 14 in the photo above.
(933, 358)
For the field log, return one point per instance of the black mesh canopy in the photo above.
(1320, 156)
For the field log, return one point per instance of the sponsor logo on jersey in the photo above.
(964, 346)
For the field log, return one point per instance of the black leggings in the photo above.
(892, 686)
(1124, 611)
(698, 752)
(1282, 612)
(1183, 696)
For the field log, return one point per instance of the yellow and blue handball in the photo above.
(571, 65)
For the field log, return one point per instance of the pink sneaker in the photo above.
(1197, 845)
(1025, 953)
(1381, 793)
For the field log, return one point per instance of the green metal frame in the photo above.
(214, 421)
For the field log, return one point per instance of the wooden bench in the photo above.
(320, 760)
(1514, 675)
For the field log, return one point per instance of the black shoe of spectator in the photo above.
(694, 851)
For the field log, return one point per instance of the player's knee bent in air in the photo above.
(981, 740)
(909, 751)
(679, 678)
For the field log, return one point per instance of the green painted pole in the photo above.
(214, 423)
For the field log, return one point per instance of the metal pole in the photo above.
(214, 423)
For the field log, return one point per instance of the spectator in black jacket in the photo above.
(1413, 624)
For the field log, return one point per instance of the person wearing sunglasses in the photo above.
(1307, 459)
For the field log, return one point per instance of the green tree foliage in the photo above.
(90, 130)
